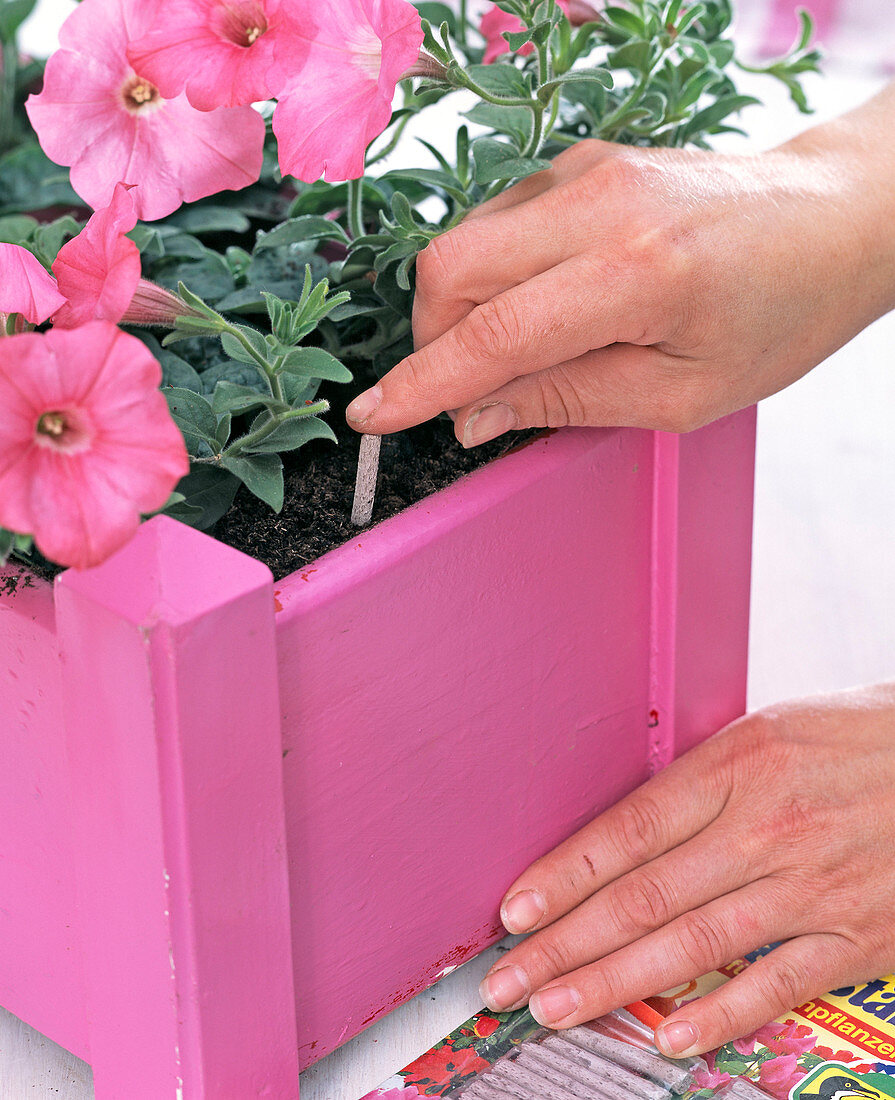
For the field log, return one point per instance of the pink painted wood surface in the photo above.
(173, 736)
(468, 684)
(40, 950)
(460, 688)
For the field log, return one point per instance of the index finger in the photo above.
(665, 812)
(577, 307)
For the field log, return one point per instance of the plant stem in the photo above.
(260, 434)
(386, 150)
(465, 80)
(463, 23)
(356, 208)
(8, 77)
(269, 372)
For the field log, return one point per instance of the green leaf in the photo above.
(502, 80)
(7, 545)
(709, 117)
(309, 227)
(262, 475)
(228, 397)
(516, 122)
(192, 413)
(439, 181)
(30, 181)
(436, 14)
(316, 363)
(207, 493)
(210, 219)
(626, 20)
(13, 14)
(602, 77)
(495, 160)
(234, 348)
(292, 434)
(48, 239)
(16, 229)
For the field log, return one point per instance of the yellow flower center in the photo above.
(52, 424)
(139, 95)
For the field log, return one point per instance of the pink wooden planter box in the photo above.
(241, 822)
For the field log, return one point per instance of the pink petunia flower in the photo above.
(788, 1038)
(342, 99)
(779, 1076)
(109, 124)
(98, 271)
(496, 22)
(26, 287)
(86, 441)
(222, 53)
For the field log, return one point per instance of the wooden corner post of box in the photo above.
(702, 564)
(173, 734)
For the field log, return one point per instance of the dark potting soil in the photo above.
(320, 489)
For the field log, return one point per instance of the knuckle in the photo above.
(702, 943)
(438, 264)
(547, 956)
(784, 984)
(492, 329)
(638, 835)
(724, 1020)
(644, 901)
(560, 400)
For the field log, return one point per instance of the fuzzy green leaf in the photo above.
(262, 475)
(292, 434)
(316, 363)
(495, 160)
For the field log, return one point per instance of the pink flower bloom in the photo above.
(779, 1076)
(343, 96)
(86, 441)
(744, 1046)
(222, 53)
(97, 115)
(26, 287)
(496, 22)
(788, 1038)
(99, 270)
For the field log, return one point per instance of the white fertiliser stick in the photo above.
(365, 486)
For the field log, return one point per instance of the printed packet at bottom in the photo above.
(837, 1047)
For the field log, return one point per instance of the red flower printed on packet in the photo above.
(87, 444)
(109, 124)
(440, 1067)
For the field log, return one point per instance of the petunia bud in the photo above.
(580, 11)
(428, 67)
(153, 306)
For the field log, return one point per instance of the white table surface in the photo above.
(822, 610)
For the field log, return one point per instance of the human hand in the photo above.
(781, 827)
(657, 288)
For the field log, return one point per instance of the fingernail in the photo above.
(504, 989)
(523, 911)
(678, 1038)
(488, 423)
(362, 407)
(554, 1004)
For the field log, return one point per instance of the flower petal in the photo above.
(26, 286)
(98, 271)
